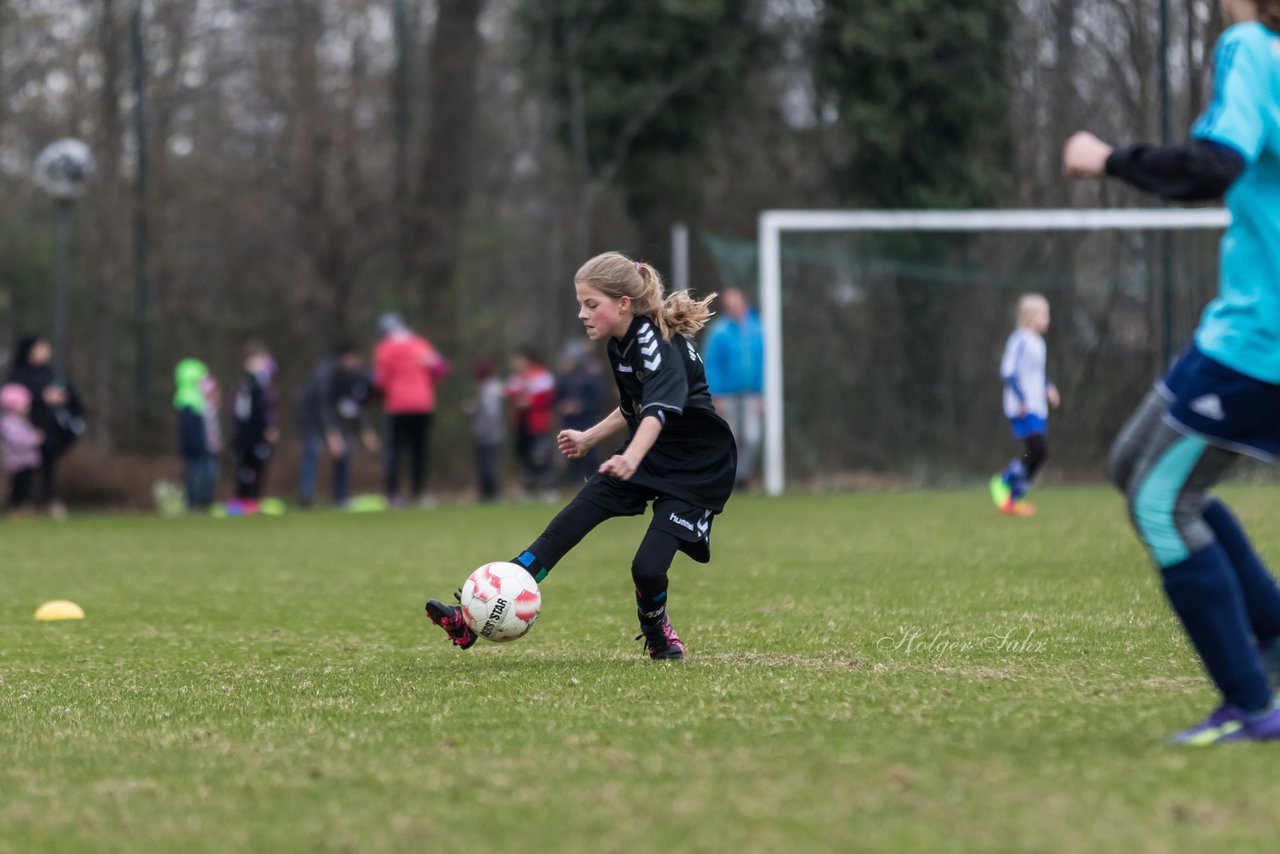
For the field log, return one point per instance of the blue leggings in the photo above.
(1223, 594)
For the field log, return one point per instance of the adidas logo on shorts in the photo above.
(1208, 405)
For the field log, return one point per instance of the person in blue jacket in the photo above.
(734, 356)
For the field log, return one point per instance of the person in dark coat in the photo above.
(330, 413)
(56, 411)
(579, 400)
(254, 432)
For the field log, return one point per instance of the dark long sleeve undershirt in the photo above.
(1196, 170)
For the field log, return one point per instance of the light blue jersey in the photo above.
(1241, 327)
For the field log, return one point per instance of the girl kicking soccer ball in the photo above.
(678, 455)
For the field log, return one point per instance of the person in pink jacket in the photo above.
(19, 444)
(406, 369)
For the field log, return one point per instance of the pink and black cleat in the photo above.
(450, 619)
(661, 641)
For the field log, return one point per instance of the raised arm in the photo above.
(1224, 140)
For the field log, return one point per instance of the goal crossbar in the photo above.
(774, 223)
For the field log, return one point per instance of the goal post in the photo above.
(774, 223)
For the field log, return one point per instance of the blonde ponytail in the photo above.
(617, 275)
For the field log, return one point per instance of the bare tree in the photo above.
(445, 173)
(108, 237)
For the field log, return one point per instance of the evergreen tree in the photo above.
(638, 88)
(922, 91)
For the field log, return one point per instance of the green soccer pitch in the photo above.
(893, 672)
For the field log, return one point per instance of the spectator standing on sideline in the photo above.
(254, 431)
(485, 410)
(406, 369)
(19, 444)
(56, 412)
(212, 392)
(734, 355)
(197, 445)
(330, 413)
(579, 398)
(532, 391)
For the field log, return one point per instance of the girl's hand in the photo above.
(1055, 399)
(620, 466)
(1085, 156)
(573, 444)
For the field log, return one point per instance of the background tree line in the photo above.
(311, 163)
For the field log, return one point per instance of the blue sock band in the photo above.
(650, 608)
(530, 561)
(1257, 585)
(1204, 594)
(1015, 477)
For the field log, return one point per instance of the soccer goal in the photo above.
(1035, 236)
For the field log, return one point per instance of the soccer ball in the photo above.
(500, 601)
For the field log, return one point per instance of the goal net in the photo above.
(884, 330)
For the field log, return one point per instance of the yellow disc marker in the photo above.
(60, 609)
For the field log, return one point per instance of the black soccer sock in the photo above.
(565, 531)
(1036, 450)
(649, 572)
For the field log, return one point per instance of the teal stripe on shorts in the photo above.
(1153, 506)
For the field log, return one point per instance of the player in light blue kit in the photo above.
(1027, 398)
(1221, 399)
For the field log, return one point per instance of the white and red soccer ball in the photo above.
(500, 601)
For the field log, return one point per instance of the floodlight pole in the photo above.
(680, 256)
(63, 169)
(62, 285)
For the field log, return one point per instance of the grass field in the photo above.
(867, 672)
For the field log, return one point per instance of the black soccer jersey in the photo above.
(694, 457)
